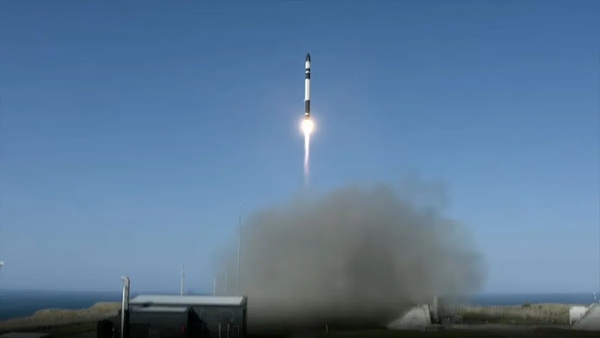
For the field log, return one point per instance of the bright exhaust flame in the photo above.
(307, 127)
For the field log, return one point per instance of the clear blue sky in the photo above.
(130, 132)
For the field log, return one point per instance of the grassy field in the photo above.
(73, 330)
(539, 333)
(531, 314)
(61, 322)
(466, 333)
(82, 323)
(88, 330)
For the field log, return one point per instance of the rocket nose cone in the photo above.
(308, 57)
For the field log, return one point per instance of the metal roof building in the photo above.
(188, 300)
(187, 316)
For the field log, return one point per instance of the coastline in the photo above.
(23, 303)
(49, 319)
(474, 317)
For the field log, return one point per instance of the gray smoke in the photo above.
(355, 255)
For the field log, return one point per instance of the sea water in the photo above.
(15, 304)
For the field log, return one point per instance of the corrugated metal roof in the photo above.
(177, 309)
(188, 300)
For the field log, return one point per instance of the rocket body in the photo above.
(307, 87)
(307, 124)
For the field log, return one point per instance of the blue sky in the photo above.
(130, 132)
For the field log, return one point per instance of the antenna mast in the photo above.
(239, 248)
(182, 278)
(226, 279)
(1, 261)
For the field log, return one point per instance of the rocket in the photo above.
(307, 88)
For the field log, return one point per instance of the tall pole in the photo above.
(215, 286)
(182, 278)
(226, 279)
(239, 248)
(125, 307)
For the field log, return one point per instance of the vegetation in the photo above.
(72, 330)
(75, 323)
(532, 314)
(51, 320)
(554, 333)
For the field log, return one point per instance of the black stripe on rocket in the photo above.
(307, 87)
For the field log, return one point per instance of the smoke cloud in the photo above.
(355, 255)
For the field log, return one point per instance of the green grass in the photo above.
(526, 314)
(473, 318)
(541, 333)
(61, 323)
(60, 331)
(70, 323)
(404, 333)
(71, 330)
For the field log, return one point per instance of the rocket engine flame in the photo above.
(307, 127)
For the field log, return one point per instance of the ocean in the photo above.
(14, 304)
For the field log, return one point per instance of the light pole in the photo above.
(215, 286)
(239, 248)
(125, 307)
(226, 279)
(182, 278)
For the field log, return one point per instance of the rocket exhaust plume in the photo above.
(307, 128)
(353, 257)
(306, 156)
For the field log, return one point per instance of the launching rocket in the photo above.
(307, 88)
(307, 124)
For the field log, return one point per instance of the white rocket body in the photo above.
(307, 87)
